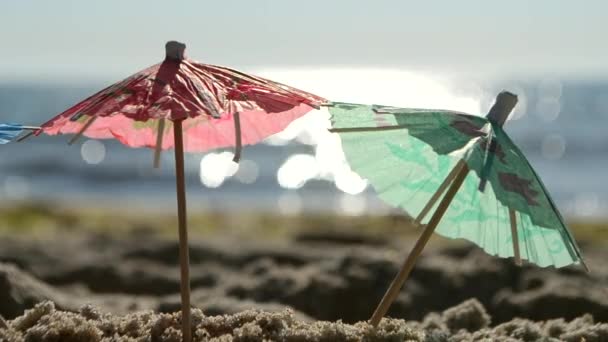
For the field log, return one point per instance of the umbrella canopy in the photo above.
(406, 154)
(187, 105)
(212, 102)
(495, 198)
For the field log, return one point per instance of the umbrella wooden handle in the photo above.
(446, 182)
(25, 136)
(159, 142)
(514, 237)
(408, 265)
(238, 138)
(184, 259)
(81, 131)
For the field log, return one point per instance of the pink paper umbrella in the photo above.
(208, 106)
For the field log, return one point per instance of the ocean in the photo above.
(561, 126)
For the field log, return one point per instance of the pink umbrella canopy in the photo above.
(218, 106)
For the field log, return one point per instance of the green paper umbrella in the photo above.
(465, 170)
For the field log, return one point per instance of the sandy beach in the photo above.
(312, 286)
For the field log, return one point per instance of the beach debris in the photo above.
(188, 106)
(466, 171)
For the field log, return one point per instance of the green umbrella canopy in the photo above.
(408, 154)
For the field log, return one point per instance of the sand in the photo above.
(465, 322)
(97, 287)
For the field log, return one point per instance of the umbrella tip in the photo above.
(175, 50)
(504, 104)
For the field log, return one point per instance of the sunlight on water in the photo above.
(328, 163)
(216, 168)
(333, 165)
(379, 86)
(309, 130)
(297, 170)
(93, 151)
(352, 205)
(349, 182)
(391, 87)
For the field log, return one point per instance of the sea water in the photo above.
(560, 125)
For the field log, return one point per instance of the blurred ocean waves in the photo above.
(560, 125)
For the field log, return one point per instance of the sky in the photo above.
(64, 39)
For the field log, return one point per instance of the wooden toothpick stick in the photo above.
(514, 237)
(408, 265)
(238, 138)
(31, 130)
(159, 142)
(84, 128)
(429, 205)
(25, 136)
(184, 259)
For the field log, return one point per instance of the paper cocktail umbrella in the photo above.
(188, 106)
(457, 174)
